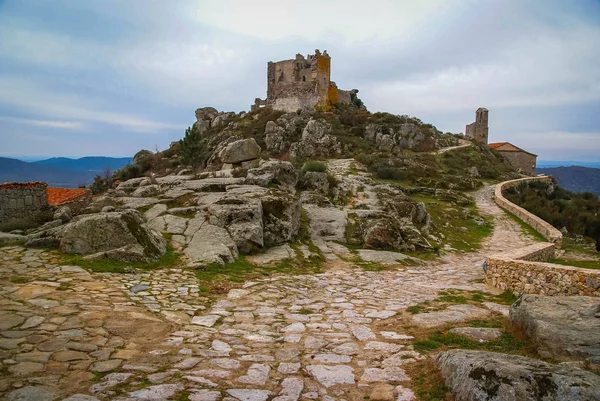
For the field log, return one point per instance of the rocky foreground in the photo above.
(71, 334)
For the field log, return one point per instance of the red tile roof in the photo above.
(496, 145)
(58, 196)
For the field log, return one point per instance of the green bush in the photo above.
(314, 166)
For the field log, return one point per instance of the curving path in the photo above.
(335, 335)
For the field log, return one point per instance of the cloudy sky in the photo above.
(109, 77)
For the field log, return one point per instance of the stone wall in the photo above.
(547, 230)
(521, 160)
(521, 272)
(20, 200)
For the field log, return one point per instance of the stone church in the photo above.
(518, 158)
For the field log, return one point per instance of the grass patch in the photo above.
(170, 258)
(314, 166)
(584, 264)
(526, 228)
(507, 343)
(449, 218)
(218, 279)
(427, 382)
(19, 279)
(416, 309)
(454, 297)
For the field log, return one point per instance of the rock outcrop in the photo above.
(316, 141)
(274, 172)
(563, 328)
(490, 376)
(116, 235)
(240, 151)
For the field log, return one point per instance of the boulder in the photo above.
(63, 214)
(328, 223)
(239, 151)
(242, 217)
(563, 328)
(275, 139)
(316, 141)
(274, 172)
(102, 232)
(10, 239)
(490, 376)
(281, 217)
(210, 244)
(316, 181)
(146, 191)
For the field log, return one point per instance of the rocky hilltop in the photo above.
(303, 184)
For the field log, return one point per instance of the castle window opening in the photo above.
(304, 79)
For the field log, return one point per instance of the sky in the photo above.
(110, 77)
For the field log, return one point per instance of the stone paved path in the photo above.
(335, 335)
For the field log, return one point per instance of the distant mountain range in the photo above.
(59, 171)
(553, 163)
(575, 178)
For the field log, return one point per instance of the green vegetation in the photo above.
(19, 279)
(584, 264)
(426, 381)
(441, 340)
(219, 279)
(453, 297)
(170, 258)
(193, 149)
(461, 226)
(314, 166)
(526, 228)
(578, 213)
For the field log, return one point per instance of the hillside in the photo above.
(575, 178)
(90, 163)
(59, 172)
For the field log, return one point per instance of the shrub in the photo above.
(192, 147)
(314, 166)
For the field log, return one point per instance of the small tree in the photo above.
(192, 148)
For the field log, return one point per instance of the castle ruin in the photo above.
(478, 131)
(302, 82)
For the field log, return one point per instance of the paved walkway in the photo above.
(336, 335)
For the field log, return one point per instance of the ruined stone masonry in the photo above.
(22, 200)
(302, 82)
(478, 131)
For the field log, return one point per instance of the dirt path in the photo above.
(335, 335)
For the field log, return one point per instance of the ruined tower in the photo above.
(478, 130)
(302, 82)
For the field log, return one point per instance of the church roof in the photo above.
(508, 147)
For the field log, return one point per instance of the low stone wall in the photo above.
(524, 270)
(546, 229)
(20, 200)
(528, 277)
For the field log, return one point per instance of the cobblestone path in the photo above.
(335, 335)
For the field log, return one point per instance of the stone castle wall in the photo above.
(522, 272)
(22, 200)
(546, 229)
